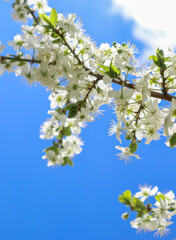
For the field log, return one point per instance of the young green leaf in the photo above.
(138, 205)
(111, 71)
(125, 198)
(159, 59)
(172, 140)
(133, 146)
(68, 161)
(114, 71)
(53, 16)
(46, 19)
(73, 109)
(159, 197)
(53, 148)
(66, 131)
(127, 195)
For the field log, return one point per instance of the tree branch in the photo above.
(18, 59)
(154, 94)
(34, 17)
(166, 97)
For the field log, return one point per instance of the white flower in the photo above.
(141, 223)
(17, 43)
(162, 229)
(49, 129)
(162, 210)
(58, 99)
(72, 145)
(146, 192)
(115, 128)
(125, 155)
(40, 5)
(53, 158)
(104, 46)
(42, 75)
(107, 79)
(170, 195)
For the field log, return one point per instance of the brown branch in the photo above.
(90, 89)
(32, 12)
(163, 82)
(166, 97)
(34, 17)
(68, 46)
(154, 94)
(18, 59)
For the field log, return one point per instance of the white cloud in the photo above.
(154, 21)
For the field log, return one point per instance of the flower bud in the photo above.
(125, 216)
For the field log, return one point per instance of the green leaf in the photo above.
(121, 199)
(69, 106)
(46, 19)
(127, 195)
(133, 146)
(138, 205)
(114, 44)
(54, 35)
(120, 51)
(82, 52)
(160, 53)
(124, 44)
(141, 213)
(73, 109)
(56, 41)
(174, 113)
(172, 140)
(73, 112)
(166, 59)
(111, 71)
(53, 16)
(104, 67)
(68, 161)
(66, 131)
(152, 57)
(160, 62)
(65, 162)
(53, 148)
(48, 27)
(125, 198)
(159, 197)
(159, 59)
(114, 70)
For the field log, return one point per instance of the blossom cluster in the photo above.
(150, 217)
(23, 9)
(54, 50)
(57, 53)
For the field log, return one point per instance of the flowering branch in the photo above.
(154, 94)
(150, 217)
(56, 53)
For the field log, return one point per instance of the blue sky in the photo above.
(80, 203)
